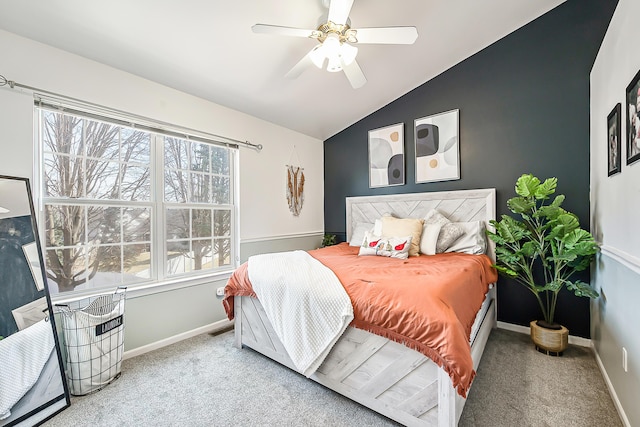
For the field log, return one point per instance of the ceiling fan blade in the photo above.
(339, 11)
(387, 35)
(300, 67)
(281, 31)
(354, 74)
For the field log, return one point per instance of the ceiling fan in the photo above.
(336, 39)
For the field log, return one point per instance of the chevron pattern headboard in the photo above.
(458, 206)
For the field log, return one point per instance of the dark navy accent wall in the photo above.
(524, 108)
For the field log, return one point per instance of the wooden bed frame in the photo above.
(383, 375)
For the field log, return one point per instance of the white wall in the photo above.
(264, 213)
(615, 215)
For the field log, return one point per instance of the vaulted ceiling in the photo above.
(206, 48)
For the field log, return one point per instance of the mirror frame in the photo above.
(41, 410)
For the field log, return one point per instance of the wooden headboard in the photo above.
(458, 206)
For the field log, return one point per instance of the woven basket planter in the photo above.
(549, 341)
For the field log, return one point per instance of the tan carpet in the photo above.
(519, 386)
(205, 381)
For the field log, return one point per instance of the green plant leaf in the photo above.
(552, 211)
(508, 257)
(581, 263)
(521, 205)
(526, 185)
(495, 237)
(328, 240)
(531, 249)
(557, 202)
(506, 271)
(564, 224)
(565, 257)
(511, 230)
(547, 188)
(587, 247)
(539, 289)
(581, 241)
(553, 286)
(582, 289)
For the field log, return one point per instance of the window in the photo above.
(125, 205)
(198, 237)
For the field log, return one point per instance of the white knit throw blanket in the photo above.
(305, 303)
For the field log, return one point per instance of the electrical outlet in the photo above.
(220, 291)
(624, 359)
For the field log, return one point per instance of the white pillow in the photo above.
(393, 247)
(474, 239)
(449, 232)
(357, 235)
(377, 227)
(429, 238)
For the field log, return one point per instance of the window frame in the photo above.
(160, 280)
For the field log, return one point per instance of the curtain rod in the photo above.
(36, 92)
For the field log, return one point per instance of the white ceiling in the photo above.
(206, 48)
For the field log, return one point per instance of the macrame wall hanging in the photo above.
(295, 185)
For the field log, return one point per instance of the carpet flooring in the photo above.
(205, 381)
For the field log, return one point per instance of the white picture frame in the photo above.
(437, 147)
(386, 156)
(30, 314)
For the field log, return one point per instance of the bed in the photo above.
(376, 370)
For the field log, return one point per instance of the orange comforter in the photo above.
(428, 303)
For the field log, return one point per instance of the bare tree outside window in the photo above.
(197, 176)
(96, 162)
(108, 188)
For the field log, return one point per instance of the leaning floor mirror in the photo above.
(32, 385)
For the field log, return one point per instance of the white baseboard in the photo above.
(582, 342)
(210, 328)
(612, 391)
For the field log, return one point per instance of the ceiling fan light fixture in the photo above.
(334, 65)
(332, 45)
(318, 56)
(335, 39)
(335, 52)
(348, 53)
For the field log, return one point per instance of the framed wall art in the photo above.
(386, 156)
(633, 120)
(437, 147)
(613, 140)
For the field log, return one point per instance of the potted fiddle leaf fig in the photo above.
(542, 250)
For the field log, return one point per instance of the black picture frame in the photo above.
(40, 392)
(632, 104)
(614, 144)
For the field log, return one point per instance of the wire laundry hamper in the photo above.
(93, 330)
